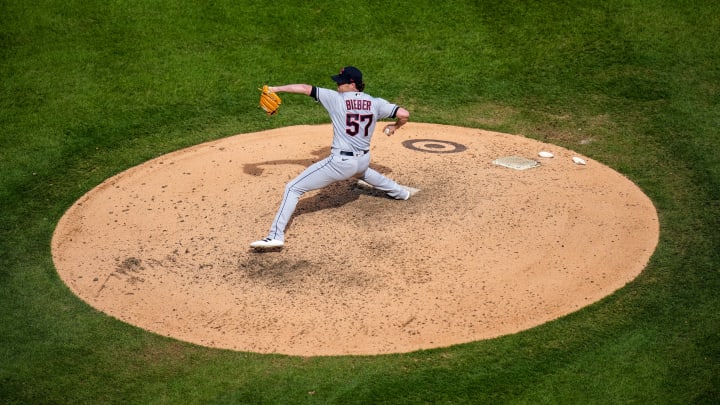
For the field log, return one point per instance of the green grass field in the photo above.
(89, 88)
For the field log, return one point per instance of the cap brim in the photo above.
(339, 79)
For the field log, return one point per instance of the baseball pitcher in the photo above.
(354, 115)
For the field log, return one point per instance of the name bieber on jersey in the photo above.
(358, 104)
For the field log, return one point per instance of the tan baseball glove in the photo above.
(269, 101)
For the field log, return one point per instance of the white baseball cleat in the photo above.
(411, 191)
(267, 243)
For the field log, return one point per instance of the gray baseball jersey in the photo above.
(354, 116)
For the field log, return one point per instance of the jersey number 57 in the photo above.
(357, 122)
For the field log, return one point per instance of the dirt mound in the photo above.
(481, 251)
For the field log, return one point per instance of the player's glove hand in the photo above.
(269, 101)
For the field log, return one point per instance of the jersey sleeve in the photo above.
(330, 99)
(385, 109)
(324, 96)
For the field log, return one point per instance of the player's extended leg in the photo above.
(317, 175)
(382, 183)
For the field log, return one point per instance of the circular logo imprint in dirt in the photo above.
(434, 146)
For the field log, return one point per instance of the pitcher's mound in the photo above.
(481, 251)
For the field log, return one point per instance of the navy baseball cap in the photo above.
(348, 74)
